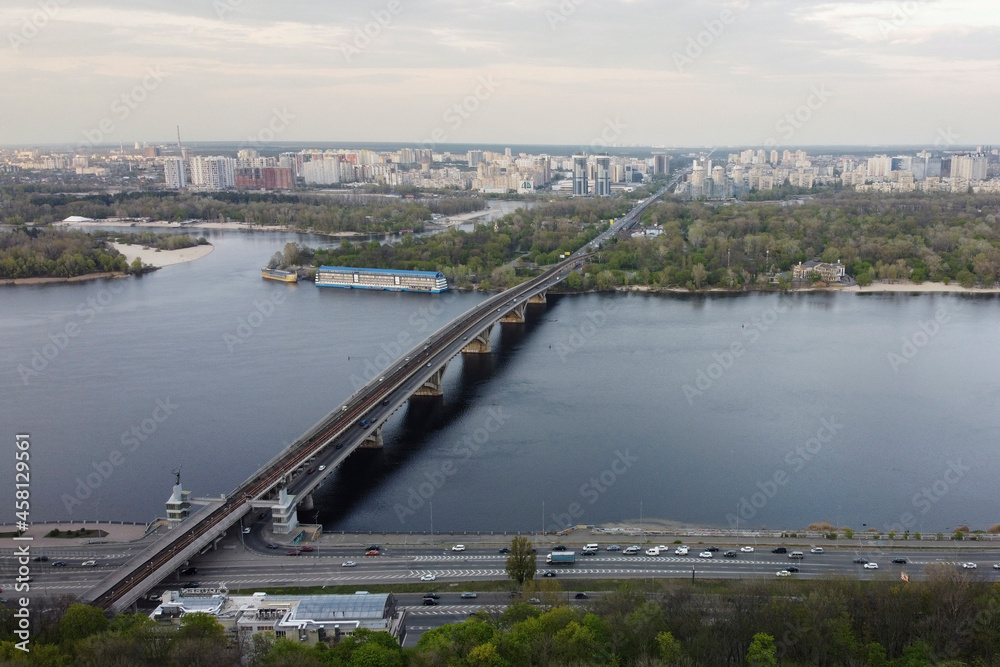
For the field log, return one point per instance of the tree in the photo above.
(80, 621)
(698, 275)
(762, 651)
(199, 625)
(521, 561)
(136, 266)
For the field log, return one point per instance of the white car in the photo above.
(746, 550)
(348, 563)
(969, 566)
(322, 468)
(653, 551)
(428, 577)
(996, 566)
(816, 550)
(458, 547)
(870, 566)
(783, 573)
(631, 551)
(246, 531)
(88, 563)
(705, 554)
(681, 551)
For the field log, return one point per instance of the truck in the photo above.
(561, 558)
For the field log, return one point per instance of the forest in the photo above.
(46, 253)
(324, 213)
(951, 619)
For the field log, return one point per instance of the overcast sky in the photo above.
(648, 72)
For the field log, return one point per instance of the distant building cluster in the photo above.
(949, 171)
(759, 170)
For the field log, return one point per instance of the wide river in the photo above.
(781, 410)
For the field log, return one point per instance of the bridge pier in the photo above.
(373, 441)
(307, 502)
(516, 315)
(481, 343)
(539, 298)
(433, 386)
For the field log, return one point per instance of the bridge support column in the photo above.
(481, 343)
(307, 502)
(433, 387)
(516, 315)
(373, 441)
(538, 298)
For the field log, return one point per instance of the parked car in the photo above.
(534, 601)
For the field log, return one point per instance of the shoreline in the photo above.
(161, 258)
(874, 288)
(230, 226)
(57, 280)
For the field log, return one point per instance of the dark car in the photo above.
(730, 554)
(385, 402)
(712, 548)
(374, 547)
(549, 573)
(779, 550)
(900, 560)
(191, 584)
(271, 545)
(40, 559)
(306, 548)
(430, 601)
(791, 568)
(431, 596)
(189, 570)
(59, 563)
(582, 596)
(310, 471)
(293, 552)
(559, 547)
(363, 422)
(860, 561)
(504, 550)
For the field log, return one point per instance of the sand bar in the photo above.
(161, 258)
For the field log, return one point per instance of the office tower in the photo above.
(661, 164)
(580, 187)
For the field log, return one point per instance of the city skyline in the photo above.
(576, 72)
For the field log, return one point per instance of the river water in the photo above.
(781, 410)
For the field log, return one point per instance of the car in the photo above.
(581, 596)
(746, 550)
(381, 379)
(246, 531)
(189, 570)
(458, 547)
(549, 573)
(559, 547)
(433, 596)
(306, 548)
(428, 577)
(653, 551)
(614, 547)
(969, 566)
(310, 471)
(631, 551)
(681, 551)
(321, 468)
(791, 568)
(816, 550)
(783, 573)
(385, 401)
(428, 364)
(996, 566)
(870, 566)
(340, 445)
(59, 563)
(861, 560)
(468, 596)
(705, 554)
(372, 552)
(430, 602)
(348, 563)
(407, 359)
(374, 547)
(534, 601)
(271, 545)
(191, 584)
(712, 548)
(779, 550)
(730, 554)
(88, 563)
(293, 552)
(900, 560)
(40, 559)
(503, 550)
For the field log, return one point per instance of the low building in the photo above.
(830, 273)
(308, 619)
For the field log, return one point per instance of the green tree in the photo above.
(698, 275)
(136, 266)
(199, 625)
(762, 651)
(670, 649)
(80, 621)
(521, 564)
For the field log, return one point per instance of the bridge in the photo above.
(286, 482)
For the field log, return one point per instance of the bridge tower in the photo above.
(286, 518)
(179, 503)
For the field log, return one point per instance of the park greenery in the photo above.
(327, 212)
(700, 245)
(951, 619)
(151, 239)
(46, 253)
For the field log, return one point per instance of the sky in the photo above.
(578, 72)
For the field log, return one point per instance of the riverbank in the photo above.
(201, 224)
(160, 258)
(74, 279)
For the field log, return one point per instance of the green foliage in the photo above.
(80, 621)
(55, 253)
(200, 625)
(762, 651)
(849, 533)
(521, 564)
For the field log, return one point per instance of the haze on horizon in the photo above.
(629, 72)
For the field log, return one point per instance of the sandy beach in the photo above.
(161, 258)
(908, 287)
(232, 226)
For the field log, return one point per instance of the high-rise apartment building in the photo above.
(602, 180)
(580, 187)
(175, 173)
